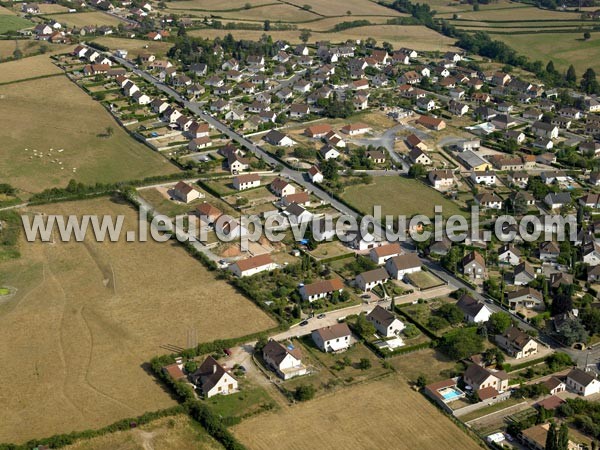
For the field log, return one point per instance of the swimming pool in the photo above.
(451, 393)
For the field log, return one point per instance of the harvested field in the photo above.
(5, 11)
(328, 23)
(342, 7)
(7, 47)
(429, 362)
(381, 414)
(134, 46)
(35, 66)
(209, 5)
(168, 433)
(86, 18)
(398, 195)
(416, 36)
(516, 13)
(77, 128)
(51, 8)
(86, 316)
(281, 12)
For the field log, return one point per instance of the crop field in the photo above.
(209, 5)
(35, 66)
(346, 7)
(167, 433)
(135, 46)
(566, 49)
(380, 414)
(68, 127)
(280, 12)
(86, 316)
(397, 195)
(515, 13)
(327, 24)
(415, 36)
(5, 11)
(50, 8)
(86, 18)
(8, 22)
(7, 47)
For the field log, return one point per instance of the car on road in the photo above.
(304, 323)
(321, 316)
(367, 296)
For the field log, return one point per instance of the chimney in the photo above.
(214, 368)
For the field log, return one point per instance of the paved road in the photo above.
(386, 140)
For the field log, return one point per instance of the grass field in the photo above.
(424, 280)
(518, 13)
(417, 37)
(135, 46)
(280, 12)
(49, 8)
(566, 49)
(342, 7)
(429, 362)
(85, 18)
(9, 22)
(168, 433)
(85, 318)
(7, 47)
(398, 195)
(381, 414)
(5, 11)
(209, 5)
(62, 116)
(35, 66)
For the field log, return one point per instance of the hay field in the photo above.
(328, 23)
(54, 113)
(340, 7)
(209, 5)
(52, 8)
(7, 47)
(86, 18)
(417, 37)
(35, 66)
(135, 46)
(280, 12)
(381, 414)
(6, 12)
(398, 195)
(566, 49)
(168, 433)
(87, 316)
(517, 12)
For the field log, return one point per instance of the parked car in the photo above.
(321, 316)
(304, 323)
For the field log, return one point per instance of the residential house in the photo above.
(544, 130)
(473, 161)
(401, 265)
(286, 361)
(253, 265)
(281, 187)
(516, 343)
(246, 181)
(329, 152)
(549, 251)
(486, 177)
(385, 322)
(473, 265)
(558, 200)
(212, 379)
(526, 298)
(318, 131)
(366, 281)
(583, 383)
(208, 213)
(376, 156)
(381, 254)
(441, 179)
(488, 200)
(334, 338)
(356, 129)
(509, 254)
(417, 156)
(536, 436)
(199, 143)
(315, 175)
(524, 274)
(275, 137)
(480, 378)
(433, 123)
(320, 289)
(185, 192)
(414, 142)
(555, 386)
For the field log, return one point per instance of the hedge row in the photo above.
(515, 367)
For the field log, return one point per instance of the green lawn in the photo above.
(424, 280)
(398, 196)
(249, 400)
(4, 291)
(13, 23)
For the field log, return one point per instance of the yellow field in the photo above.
(341, 7)
(7, 47)
(210, 5)
(417, 37)
(329, 22)
(27, 68)
(49, 8)
(519, 13)
(87, 316)
(5, 11)
(168, 433)
(382, 414)
(282, 12)
(55, 114)
(135, 46)
(87, 18)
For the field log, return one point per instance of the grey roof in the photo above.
(382, 316)
(469, 305)
(581, 377)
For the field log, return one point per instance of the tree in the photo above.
(461, 343)
(493, 356)
(417, 170)
(562, 440)
(587, 35)
(451, 313)
(571, 76)
(421, 381)
(364, 327)
(110, 131)
(590, 318)
(17, 54)
(330, 170)
(191, 366)
(551, 438)
(550, 67)
(304, 392)
(589, 84)
(475, 6)
(267, 25)
(573, 331)
(499, 322)
(364, 364)
(305, 36)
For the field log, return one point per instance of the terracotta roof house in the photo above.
(320, 289)
(208, 213)
(432, 123)
(185, 192)
(253, 265)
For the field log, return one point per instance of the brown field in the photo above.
(73, 126)
(5, 11)
(340, 7)
(135, 46)
(86, 18)
(7, 47)
(209, 5)
(27, 68)
(85, 318)
(168, 433)
(417, 37)
(381, 414)
(49, 8)
(329, 22)
(515, 13)
(281, 12)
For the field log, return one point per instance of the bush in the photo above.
(304, 392)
